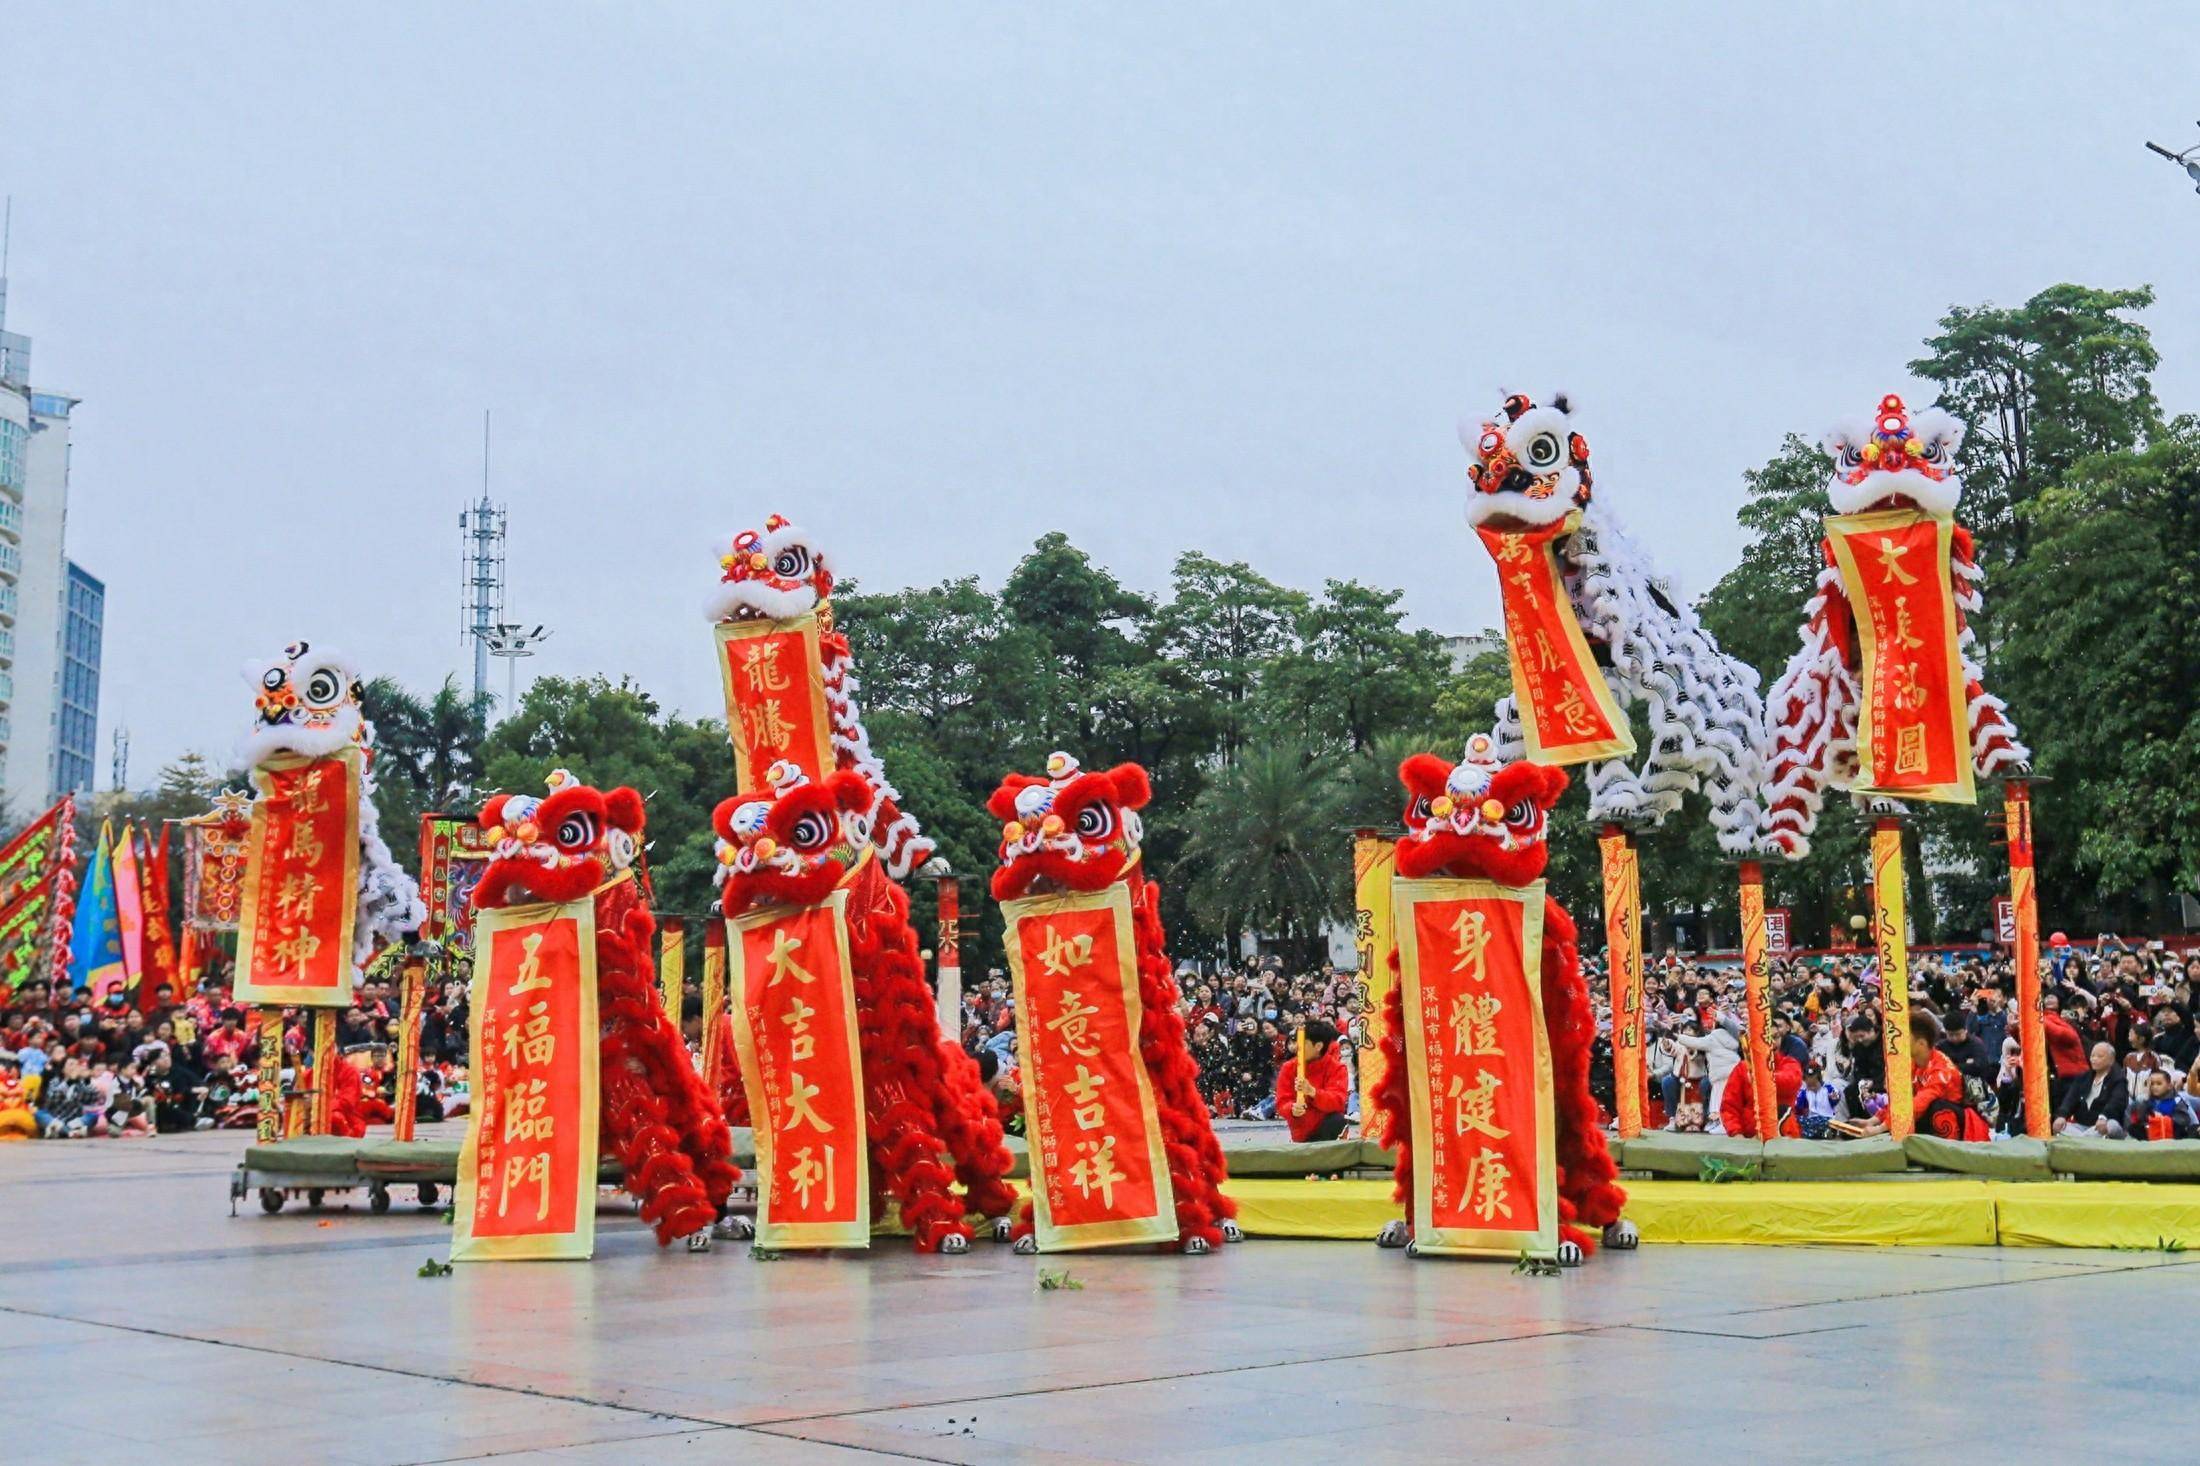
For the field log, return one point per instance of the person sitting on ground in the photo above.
(2097, 1103)
(2163, 1113)
(18, 1118)
(1936, 1086)
(1738, 1106)
(1817, 1102)
(1314, 1104)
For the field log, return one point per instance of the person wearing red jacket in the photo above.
(1314, 1107)
(1738, 1107)
(2066, 1060)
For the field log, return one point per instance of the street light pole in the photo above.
(511, 641)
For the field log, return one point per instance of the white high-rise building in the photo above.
(51, 612)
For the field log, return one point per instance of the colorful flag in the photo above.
(159, 944)
(95, 961)
(130, 903)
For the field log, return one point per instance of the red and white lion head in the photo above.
(1530, 468)
(792, 843)
(559, 847)
(1478, 817)
(1896, 460)
(770, 574)
(1067, 830)
(305, 704)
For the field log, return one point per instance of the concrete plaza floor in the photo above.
(138, 1320)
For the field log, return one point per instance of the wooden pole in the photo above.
(1757, 990)
(411, 993)
(324, 1070)
(2016, 812)
(949, 950)
(714, 1003)
(1890, 932)
(270, 1022)
(1623, 943)
(672, 965)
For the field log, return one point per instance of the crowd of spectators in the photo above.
(73, 1068)
(2120, 1044)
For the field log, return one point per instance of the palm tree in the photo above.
(1266, 851)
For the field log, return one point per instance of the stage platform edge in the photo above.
(1941, 1213)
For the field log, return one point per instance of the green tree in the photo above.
(427, 753)
(1357, 673)
(1756, 609)
(1225, 625)
(2041, 385)
(1267, 850)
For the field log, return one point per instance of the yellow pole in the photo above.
(1374, 861)
(271, 1075)
(1890, 932)
(412, 990)
(1623, 967)
(324, 1070)
(1757, 990)
(714, 1001)
(672, 965)
(2016, 811)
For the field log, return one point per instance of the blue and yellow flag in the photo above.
(95, 946)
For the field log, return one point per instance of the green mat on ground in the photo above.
(1682, 1154)
(1822, 1160)
(2095, 1159)
(2002, 1160)
(308, 1155)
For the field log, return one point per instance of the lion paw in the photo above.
(1027, 1246)
(1196, 1247)
(1231, 1231)
(1570, 1254)
(954, 1244)
(699, 1241)
(1003, 1229)
(1394, 1234)
(1623, 1236)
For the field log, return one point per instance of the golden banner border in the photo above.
(1428, 1239)
(1115, 899)
(290, 995)
(1839, 527)
(579, 1244)
(813, 679)
(793, 1235)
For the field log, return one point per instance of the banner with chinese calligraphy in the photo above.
(38, 898)
(1622, 865)
(216, 848)
(1777, 938)
(774, 680)
(1099, 1173)
(1374, 863)
(794, 1027)
(527, 1173)
(1913, 735)
(1478, 1061)
(1567, 710)
(300, 885)
(454, 851)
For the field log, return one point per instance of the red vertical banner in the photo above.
(948, 962)
(1913, 737)
(1567, 711)
(1478, 1061)
(301, 880)
(527, 1173)
(1099, 1174)
(794, 1026)
(2024, 902)
(774, 680)
(1623, 972)
(1757, 995)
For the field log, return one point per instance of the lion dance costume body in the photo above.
(793, 845)
(1894, 477)
(1488, 819)
(1072, 831)
(659, 1118)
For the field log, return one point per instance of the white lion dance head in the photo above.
(771, 574)
(308, 705)
(1530, 468)
(1895, 461)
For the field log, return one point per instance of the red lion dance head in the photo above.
(771, 574)
(792, 844)
(1067, 830)
(1479, 817)
(560, 847)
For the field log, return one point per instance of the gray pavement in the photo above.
(139, 1321)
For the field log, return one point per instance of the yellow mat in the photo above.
(1801, 1213)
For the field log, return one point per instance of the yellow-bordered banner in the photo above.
(774, 681)
(301, 883)
(795, 1028)
(1100, 1173)
(1567, 711)
(1913, 734)
(527, 1173)
(1478, 1062)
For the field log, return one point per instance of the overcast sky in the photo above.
(934, 281)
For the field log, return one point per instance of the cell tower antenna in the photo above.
(121, 766)
(481, 539)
